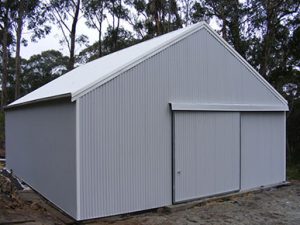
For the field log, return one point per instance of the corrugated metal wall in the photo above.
(206, 154)
(262, 149)
(40, 144)
(125, 162)
(125, 125)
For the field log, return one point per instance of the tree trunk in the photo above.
(114, 29)
(21, 11)
(234, 27)
(224, 27)
(269, 38)
(100, 43)
(73, 37)
(4, 58)
(100, 33)
(117, 27)
(4, 68)
(169, 17)
(187, 12)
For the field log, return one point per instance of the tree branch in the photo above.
(60, 19)
(63, 32)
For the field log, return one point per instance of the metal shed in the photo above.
(175, 118)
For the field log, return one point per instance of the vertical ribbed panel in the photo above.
(40, 144)
(207, 153)
(262, 149)
(125, 146)
(125, 124)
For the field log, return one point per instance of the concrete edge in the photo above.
(222, 197)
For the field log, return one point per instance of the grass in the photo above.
(293, 171)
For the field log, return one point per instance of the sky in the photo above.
(52, 40)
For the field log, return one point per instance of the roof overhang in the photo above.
(227, 107)
(41, 100)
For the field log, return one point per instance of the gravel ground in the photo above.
(270, 206)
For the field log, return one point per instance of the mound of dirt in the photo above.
(8, 183)
(24, 206)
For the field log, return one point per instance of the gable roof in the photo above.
(93, 74)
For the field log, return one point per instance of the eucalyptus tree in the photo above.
(95, 14)
(270, 19)
(33, 15)
(155, 17)
(61, 12)
(230, 15)
(7, 13)
(42, 68)
(118, 12)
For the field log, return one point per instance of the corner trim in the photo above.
(78, 205)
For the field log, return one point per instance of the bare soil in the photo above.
(269, 206)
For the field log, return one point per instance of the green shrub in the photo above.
(293, 171)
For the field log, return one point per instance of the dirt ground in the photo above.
(270, 206)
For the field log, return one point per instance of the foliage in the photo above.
(95, 13)
(125, 39)
(293, 131)
(36, 71)
(293, 171)
(154, 17)
(41, 69)
(61, 12)
(14, 16)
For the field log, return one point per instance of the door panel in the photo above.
(206, 154)
(262, 145)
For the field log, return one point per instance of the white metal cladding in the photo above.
(125, 125)
(40, 144)
(206, 154)
(262, 149)
(125, 148)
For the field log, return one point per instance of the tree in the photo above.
(118, 12)
(32, 13)
(22, 5)
(269, 18)
(125, 39)
(154, 17)
(42, 68)
(187, 7)
(62, 10)
(7, 9)
(111, 44)
(94, 12)
(230, 15)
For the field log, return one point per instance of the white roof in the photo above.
(93, 74)
(103, 69)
